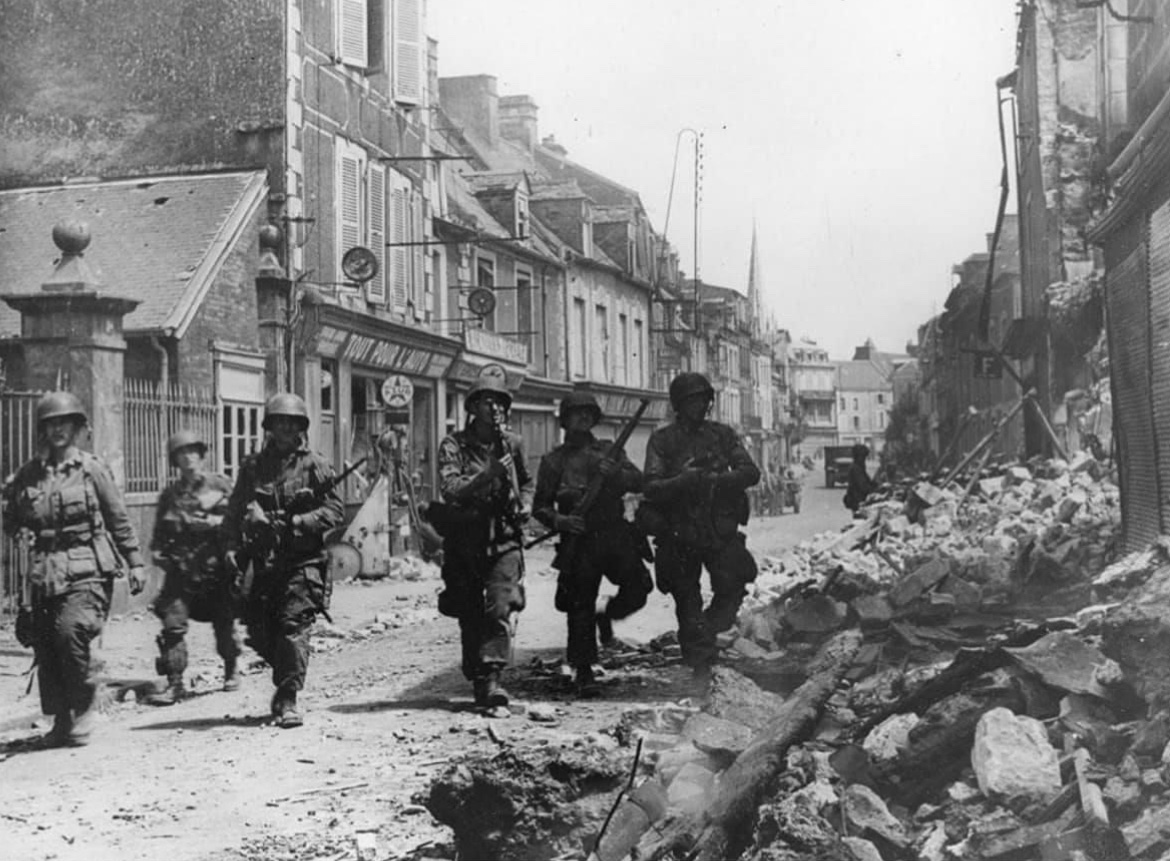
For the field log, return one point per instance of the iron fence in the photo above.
(18, 443)
(153, 412)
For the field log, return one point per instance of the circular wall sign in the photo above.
(359, 264)
(397, 391)
(482, 301)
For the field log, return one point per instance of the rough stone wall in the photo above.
(116, 87)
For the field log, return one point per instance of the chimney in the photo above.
(471, 101)
(550, 144)
(518, 121)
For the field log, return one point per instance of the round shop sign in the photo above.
(397, 391)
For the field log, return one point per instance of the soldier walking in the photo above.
(67, 499)
(595, 543)
(697, 472)
(187, 542)
(283, 504)
(487, 491)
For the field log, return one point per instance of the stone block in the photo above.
(860, 849)
(817, 613)
(671, 760)
(691, 789)
(922, 579)
(723, 739)
(865, 811)
(873, 611)
(1013, 758)
(889, 738)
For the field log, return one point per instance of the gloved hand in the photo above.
(136, 579)
(574, 524)
(608, 468)
(691, 478)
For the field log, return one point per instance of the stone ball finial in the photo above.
(71, 235)
(271, 237)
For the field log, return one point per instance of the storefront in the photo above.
(354, 355)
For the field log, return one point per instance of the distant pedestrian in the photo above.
(594, 543)
(188, 544)
(486, 501)
(283, 503)
(81, 537)
(697, 472)
(860, 484)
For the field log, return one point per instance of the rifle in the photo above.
(262, 541)
(593, 489)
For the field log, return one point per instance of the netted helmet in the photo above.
(491, 379)
(57, 404)
(184, 439)
(860, 451)
(578, 401)
(689, 383)
(285, 404)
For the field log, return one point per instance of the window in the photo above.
(353, 36)
(601, 343)
(241, 434)
(409, 51)
(526, 311)
(407, 263)
(638, 378)
(857, 422)
(843, 404)
(623, 355)
(485, 276)
(580, 356)
(855, 406)
(881, 398)
(360, 203)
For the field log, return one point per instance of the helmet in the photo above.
(860, 451)
(578, 401)
(286, 404)
(689, 383)
(491, 379)
(184, 439)
(57, 404)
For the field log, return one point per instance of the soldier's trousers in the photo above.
(176, 606)
(281, 607)
(730, 567)
(610, 554)
(66, 625)
(485, 617)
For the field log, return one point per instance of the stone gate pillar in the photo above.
(71, 337)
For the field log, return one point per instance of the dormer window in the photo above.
(520, 228)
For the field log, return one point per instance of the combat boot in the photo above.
(231, 675)
(605, 630)
(587, 686)
(284, 708)
(494, 695)
(58, 736)
(171, 694)
(83, 726)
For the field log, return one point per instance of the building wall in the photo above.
(127, 87)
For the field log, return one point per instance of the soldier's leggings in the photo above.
(611, 554)
(280, 610)
(67, 624)
(485, 618)
(175, 608)
(730, 567)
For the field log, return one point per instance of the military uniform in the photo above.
(187, 542)
(289, 585)
(606, 548)
(699, 526)
(79, 527)
(483, 560)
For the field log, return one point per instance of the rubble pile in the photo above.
(884, 696)
(1041, 531)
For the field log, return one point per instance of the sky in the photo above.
(858, 136)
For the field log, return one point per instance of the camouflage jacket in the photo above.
(462, 460)
(187, 533)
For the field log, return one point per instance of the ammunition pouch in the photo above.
(448, 520)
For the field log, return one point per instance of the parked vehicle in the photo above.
(838, 459)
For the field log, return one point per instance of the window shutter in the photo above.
(348, 194)
(399, 256)
(376, 286)
(408, 52)
(352, 33)
(419, 233)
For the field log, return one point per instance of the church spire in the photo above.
(754, 285)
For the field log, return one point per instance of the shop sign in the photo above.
(613, 405)
(365, 350)
(397, 391)
(488, 343)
